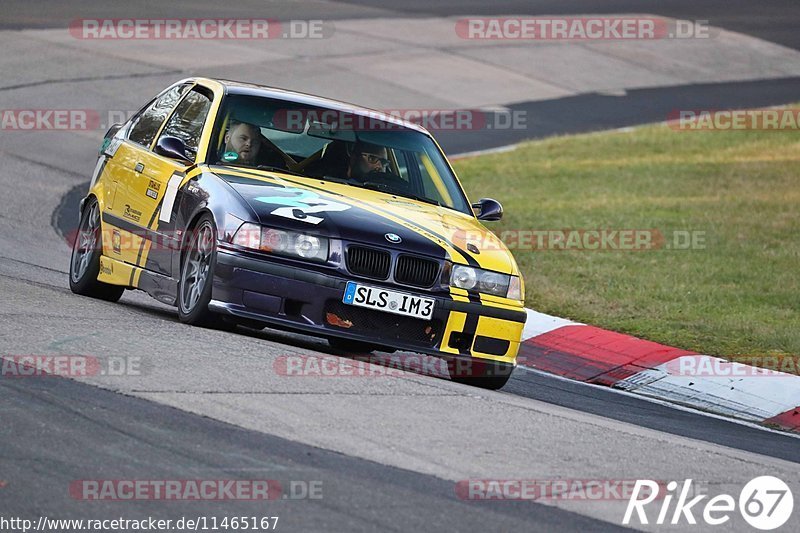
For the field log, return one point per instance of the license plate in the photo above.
(399, 303)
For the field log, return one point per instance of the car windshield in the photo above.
(315, 142)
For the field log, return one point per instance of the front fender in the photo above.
(204, 192)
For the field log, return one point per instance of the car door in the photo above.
(161, 176)
(129, 212)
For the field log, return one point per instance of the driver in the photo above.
(367, 158)
(244, 141)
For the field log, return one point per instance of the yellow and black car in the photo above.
(245, 204)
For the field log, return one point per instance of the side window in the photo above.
(146, 124)
(187, 122)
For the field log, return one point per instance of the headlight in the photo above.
(273, 240)
(308, 246)
(464, 278)
(280, 242)
(485, 281)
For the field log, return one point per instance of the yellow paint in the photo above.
(455, 322)
(114, 272)
(500, 329)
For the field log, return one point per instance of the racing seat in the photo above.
(334, 161)
(271, 155)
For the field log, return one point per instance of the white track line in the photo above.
(661, 402)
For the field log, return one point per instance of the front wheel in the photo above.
(84, 265)
(197, 273)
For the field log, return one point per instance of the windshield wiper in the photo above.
(420, 199)
(373, 186)
(265, 167)
(284, 170)
(337, 180)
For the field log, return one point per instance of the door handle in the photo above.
(138, 168)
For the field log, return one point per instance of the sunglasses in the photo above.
(373, 159)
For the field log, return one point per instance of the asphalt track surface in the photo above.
(127, 438)
(772, 20)
(207, 404)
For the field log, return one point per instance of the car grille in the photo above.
(368, 262)
(386, 326)
(416, 271)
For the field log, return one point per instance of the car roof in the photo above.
(251, 89)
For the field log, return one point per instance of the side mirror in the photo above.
(173, 148)
(488, 209)
(112, 130)
(107, 138)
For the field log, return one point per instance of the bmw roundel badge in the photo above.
(393, 238)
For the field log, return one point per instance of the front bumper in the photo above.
(311, 302)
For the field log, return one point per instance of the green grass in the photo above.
(739, 295)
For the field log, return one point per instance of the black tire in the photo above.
(197, 276)
(84, 264)
(485, 375)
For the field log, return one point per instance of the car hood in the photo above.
(370, 217)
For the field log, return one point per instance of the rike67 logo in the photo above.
(765, 503)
